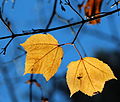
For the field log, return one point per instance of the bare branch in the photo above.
(4, 49)
(69, 4)
(116, 4)
(3, 4)
(73, 31)
(53, 14)
(13, 5)
(61, 27)
(5, 23)
(12, 36)
(77, 33)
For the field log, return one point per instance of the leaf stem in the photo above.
(77, 51)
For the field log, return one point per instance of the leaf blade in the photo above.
(43, 55)
(86, 78)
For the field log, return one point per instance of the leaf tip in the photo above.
(22, 44)
(47, 78)
(24, 73)
(71, 94)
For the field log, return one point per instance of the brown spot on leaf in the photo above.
(79, 77)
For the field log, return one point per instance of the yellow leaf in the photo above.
(88, 75)
(43, 55)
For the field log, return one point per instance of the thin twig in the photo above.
(61, 27)
(15, 58)
(77, 33)
(52, 16)
(3, 4)
(116, 4)
(69, 4)
(73, 31)
(5, 23)
(12, 36)
(6, 46)
(13, 5)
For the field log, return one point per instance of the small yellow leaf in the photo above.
(43, 55)
(88, 75)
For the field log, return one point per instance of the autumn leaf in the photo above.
(43, 55)
(88, 75)
(92, 9)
